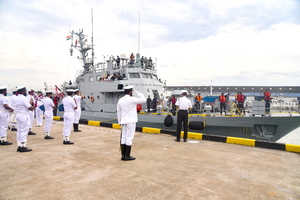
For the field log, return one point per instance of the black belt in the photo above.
(182, 110)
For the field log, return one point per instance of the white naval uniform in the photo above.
(39, 112)
(48, 104)
(77, 112)
(69, 106)
(31, 113)
(13, 115)
(4, 116)
(22, 117)
(127, 116)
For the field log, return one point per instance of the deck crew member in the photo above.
(241, 99)
(223, 99)
(38, 111)
(13, 115)
(69, 107)
(197, 101)
(23, 119)
(148, 103)
(4, 115)
(132, 59)
(184, 105)
(30, 99)
(49, 105)
(267, 100)
(154, 103)
(78, 96)
(127, 118)
(118, 61)
(173, 100)
(142, 61)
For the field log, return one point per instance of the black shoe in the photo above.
(184, 140)
(127, 154)
(76, 128)
(14, 129)
(48, 137)
(18, 149)
(5, 143)
(123, 147)
(25, 149)
(177, 140)
(68, 142)
(31, 133)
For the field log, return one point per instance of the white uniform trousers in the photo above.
(128, 131)
(39, 116)
(13, 121)
(68, 122)
(4, 120)
(23, 121)
(77, 114)
(48, 120)
(31, 117)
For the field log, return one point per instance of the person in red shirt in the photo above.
(267, 100)
(222, 99)
(241, 99)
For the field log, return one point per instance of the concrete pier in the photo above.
(164, 169)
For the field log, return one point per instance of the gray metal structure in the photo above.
(101, 98)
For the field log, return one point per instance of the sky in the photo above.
(231, 43)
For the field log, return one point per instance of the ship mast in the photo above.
(92, 40)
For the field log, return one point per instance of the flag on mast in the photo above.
(76, 43)
(69, 37)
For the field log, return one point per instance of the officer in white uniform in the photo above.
(23, 119)
(183, 104)
(78, 96)
(69, 107)
(49, 105)
(38, 111)
(13, 115)
(4, 116)
(31, 113)
(127, 117)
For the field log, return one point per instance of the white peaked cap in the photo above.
(48, 91)
(3, 87)
(128, 87)
(21, 87)
(15, 89)
(183, 91)
(70, 90)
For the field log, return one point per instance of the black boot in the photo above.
(31, 133)
(25, 149)
(14, 129)
(127, 153)
(123, 147)
(76, 128)
(5, 143)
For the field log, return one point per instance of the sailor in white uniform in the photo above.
(78, 96)
(49, 105)
(30, 99)
(13, 115)
(38, 111)
(69, 107)
(23, 119)
(4, 116)
(127, 117)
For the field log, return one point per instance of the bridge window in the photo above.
(155, 77)
(146, 76)
(91, 78)
(134, 75)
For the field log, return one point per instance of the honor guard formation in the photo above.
(21, 114)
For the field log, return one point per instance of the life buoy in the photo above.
(92, 99)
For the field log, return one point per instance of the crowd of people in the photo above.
(21, 113)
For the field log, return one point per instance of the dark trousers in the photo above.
(267, 106)
(182, 117)
(222, 107)
(148, 107)
(241, 106)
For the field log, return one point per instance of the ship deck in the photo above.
(164, 169)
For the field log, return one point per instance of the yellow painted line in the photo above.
(116, 126)
(292, 148)
(197, 136)
(94, 123)
(242, 141)
(56, 118)
(150, 130)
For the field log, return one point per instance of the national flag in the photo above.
(69, 37)
(76, 43)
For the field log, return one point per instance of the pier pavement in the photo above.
(164, 169)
